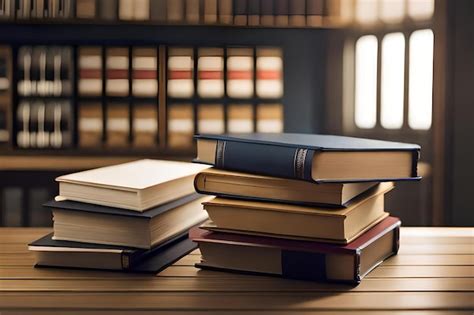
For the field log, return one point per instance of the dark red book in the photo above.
(305, 260)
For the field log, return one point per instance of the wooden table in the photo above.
(433, 274)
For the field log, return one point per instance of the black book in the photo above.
(53, 253)
(89, 223)
(318, 158)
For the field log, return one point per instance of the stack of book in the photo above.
(133, 216)
(299, 206)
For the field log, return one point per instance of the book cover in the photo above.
(299, 156)
(305, 260)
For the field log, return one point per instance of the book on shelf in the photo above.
(269, 73)
(210, 11)
(180, 126)
(90, 125)
(91, 223)
(158, 10)
(117, 125)
(108, 9)
(267, 17)
(192, 11)
(318, 158)
(240, 118)
(90, 71)
(5, 93)
(314, 12)
(180, 72)
(328, 224)
(7, 9)
(141, 10)
(86, 9)
(297, 13)
(240, 67)
(117, 83)
(306, 260)
(269, 118)
(240, 12)
(211, 118)
(44, 124)
(137, 185)
(126, 9)
(225, 9)
(145, 125)
(145, 72)
(281, 10)
(45, 71)
(253, 17)
(175, 11)
(54, 253)
(210, 72)
(222, 183)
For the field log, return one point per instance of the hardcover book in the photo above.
(318, 158)
(87, 223)
(137, 185)
(303, 260)
(265, 188)
(53, 253)
(340, 225)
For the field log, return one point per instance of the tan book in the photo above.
(137, 185)
(86, 9)
(225, 11)
(117, 125)
(210, 11)
(180, 126)
(117, 83)
(192, 11)
(250, 186)
(294, 221)
(145, 125)
(90, 125)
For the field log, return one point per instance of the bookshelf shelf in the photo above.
(58, 162)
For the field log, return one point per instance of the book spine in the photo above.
(281, 12)
(240, 12)
(86, 9)
(108, 9)
(175, 11)
(158, 10)
(192, 11)
(267, 17)
(297, 13)
(314, 12)
(5, 93)
(254, 12)
(286, 162)
(210, 11)
(225, 11)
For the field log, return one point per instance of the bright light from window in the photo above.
(421, 9)
(420, 79)
(392, 80)
(392, 10)
(366, 82)
(366, 11)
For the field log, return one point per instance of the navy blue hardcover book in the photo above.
(310, 157)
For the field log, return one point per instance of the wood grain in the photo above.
(432, 275)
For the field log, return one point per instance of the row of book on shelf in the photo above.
(48, 71)
(49, 124)
(281, 13)
(298, 206)
(46, 112)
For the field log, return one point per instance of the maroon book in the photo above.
(307, 260)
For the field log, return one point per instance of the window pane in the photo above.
(392, 10)
(366, 82)
(420, 80)
(366, 11)
(420, 9)
(393, 64)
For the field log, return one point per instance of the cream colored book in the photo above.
(299, 222)
(137, 185)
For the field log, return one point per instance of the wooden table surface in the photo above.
(432, 274)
